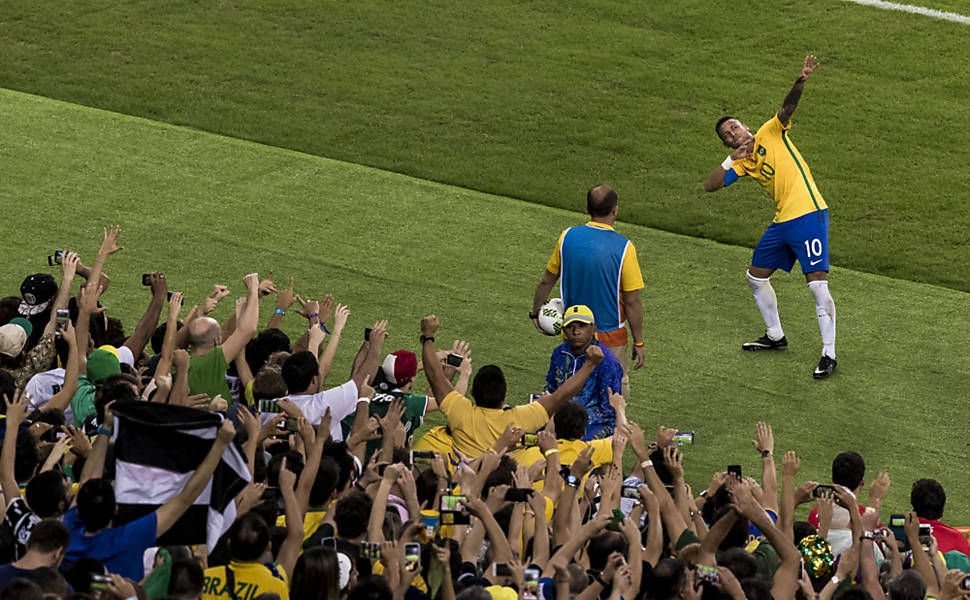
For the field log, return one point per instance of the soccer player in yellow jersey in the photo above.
(800, 229)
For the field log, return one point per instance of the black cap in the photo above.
(38, 288)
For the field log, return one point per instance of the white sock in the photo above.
(825, 309)
(764, 297)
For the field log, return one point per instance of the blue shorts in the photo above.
(805, 238)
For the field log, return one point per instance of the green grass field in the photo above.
(209, 209)
(541, 100)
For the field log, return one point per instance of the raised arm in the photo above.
(16, 407)
(765, 444)
(149, 321)
(62, 399)
(246, 326)
(573, 385)
(791, 100)
(339, 322)
(69, 264)
(292, 545)
(789, 468)
(440, 386)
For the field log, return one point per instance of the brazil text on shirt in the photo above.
(781, 171)
(597, 263)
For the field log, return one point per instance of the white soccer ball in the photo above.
(550, 316)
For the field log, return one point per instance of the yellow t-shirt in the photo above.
(252, 579)
(630, 276)
(311, 521)
(569, 450)
(474, 429)
(782, 172)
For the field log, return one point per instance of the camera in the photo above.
(56, 259)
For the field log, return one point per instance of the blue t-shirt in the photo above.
(120, 549)
(595, 395)
(8, 572)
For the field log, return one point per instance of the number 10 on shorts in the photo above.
(813, 247)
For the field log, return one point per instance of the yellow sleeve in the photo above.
(531, 416)
(553, 265)
(248, 393)
(630, 276)
(455, 405)
(602, 451)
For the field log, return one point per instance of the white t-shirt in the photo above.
(42, 387)
(342, 401)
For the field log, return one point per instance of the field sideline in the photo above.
(390, 245)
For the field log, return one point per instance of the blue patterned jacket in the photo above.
(594, 395)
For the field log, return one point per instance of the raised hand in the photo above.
(267, 286)
(286, 297)
(378, 332)
(673, 459)
(745, 150)
(766, 439)
(69, 263)
(340, 316)
(594, 355)
(218, 292)
(879, 487)
(251, 281)
(808, 67)
(110, 244)
(790, 464)
(88, 301)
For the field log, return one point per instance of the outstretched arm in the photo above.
(791, 100)
(715, 180)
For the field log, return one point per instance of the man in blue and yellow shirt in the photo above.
(801, 225)
(597, 267)
(579, 329)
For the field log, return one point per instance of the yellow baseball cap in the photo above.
(577, 312)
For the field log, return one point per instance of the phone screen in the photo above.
(734, 470)
(412, 556)
(454, 360)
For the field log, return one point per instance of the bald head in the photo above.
(600, 201)
(204, 332)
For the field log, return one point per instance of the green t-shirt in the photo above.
(413, 417)
(82, 404)
(207, 374)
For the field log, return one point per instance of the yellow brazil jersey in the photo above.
(474, 429)
(311, 521)
(252, 579)
(782, 172)
(568, 451)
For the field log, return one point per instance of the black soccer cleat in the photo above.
(765, 343)
(825, 367)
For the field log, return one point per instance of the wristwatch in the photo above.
(765, 453)
(427, 338)
(572, 480)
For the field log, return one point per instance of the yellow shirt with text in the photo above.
(782, 172)
(252, 579)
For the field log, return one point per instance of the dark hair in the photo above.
(740, 562)
(504, 474)
(45, 494)
(602, 546)
(51, 416)
(600, 201)
(8, 388)
(908, 585)
(114, 333)
(737, 536)
(50, 581)
(721, 121)
(324, 482)
(21, 588)
(488, 387)
(473, 592)
(27, 458)
(571, 420)
(78, 573)
(372, 587)
(316, 575)
(96, 504)
(352, 513)
(667, 579)
(114, 388)
(299, 370)
(854, 592)
(49, 535)
(248, 537)
(756, 588)
(187, 578)
(294, 462)
(158, 338)
(848, 469)
(341, 455)
(928, 499)
(802, 530)
(263, 345)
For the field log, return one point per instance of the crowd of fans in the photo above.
(346, 503)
